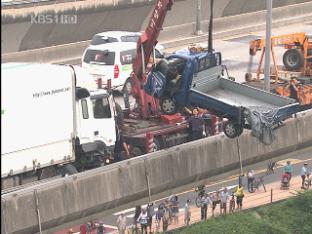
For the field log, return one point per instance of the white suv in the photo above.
(123, 36)
(111, 61)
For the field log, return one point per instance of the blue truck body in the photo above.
(204, 83)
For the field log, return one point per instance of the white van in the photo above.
(123, 36)
(111, 61)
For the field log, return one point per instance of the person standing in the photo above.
(288, 169)
(293, 89)
(166, 219)
(187, 212)
(304, 173)
(135, 218)
(120, 146)
(150, 214)
(224, 197)
(215, 199)
(204, 206)
(158, 218)
(250, 179)
(239, 196)
(83, 229)
(175, 209)
(143, 220)
(121, 223)
(196, 125)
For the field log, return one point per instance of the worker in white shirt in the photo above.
(304, 173)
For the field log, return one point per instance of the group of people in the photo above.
(288, 171)
(222, 198)
(167, 213)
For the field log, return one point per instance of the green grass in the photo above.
(293, 216)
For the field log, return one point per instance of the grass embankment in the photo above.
(292, 216)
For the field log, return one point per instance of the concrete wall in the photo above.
(20, 34)
(64, 200)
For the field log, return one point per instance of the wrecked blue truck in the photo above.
(199, 79)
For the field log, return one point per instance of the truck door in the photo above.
(96, 120)
(104, 120)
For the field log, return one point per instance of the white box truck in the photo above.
(53, 120)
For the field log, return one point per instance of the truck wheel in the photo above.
(232, 129)
(168, 106)
(69, 169)
(136, 151)
(293, 59)
(47, 172)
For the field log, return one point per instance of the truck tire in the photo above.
(168, 105)
(136, 151)
(293, 59)
(232, 129)
(69, 169)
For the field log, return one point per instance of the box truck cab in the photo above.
(53, 120)
(111, 61)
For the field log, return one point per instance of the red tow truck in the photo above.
(146, 128)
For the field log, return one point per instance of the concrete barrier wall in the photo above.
(25, 35)
(64, 200)
(181, 34)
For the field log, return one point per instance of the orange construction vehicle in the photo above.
(298, 56)
(297, 62)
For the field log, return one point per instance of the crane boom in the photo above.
(148, 105)
(149, 38)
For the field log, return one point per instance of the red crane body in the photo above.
(148, 105)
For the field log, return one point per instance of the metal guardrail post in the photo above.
(240, 157)
(38, 211)
(198, 30)
(148, 182)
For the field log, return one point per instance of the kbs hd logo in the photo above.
(53, 19)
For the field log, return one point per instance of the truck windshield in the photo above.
(99, 57)
(101, 108)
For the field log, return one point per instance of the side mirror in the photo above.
(82, 93)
